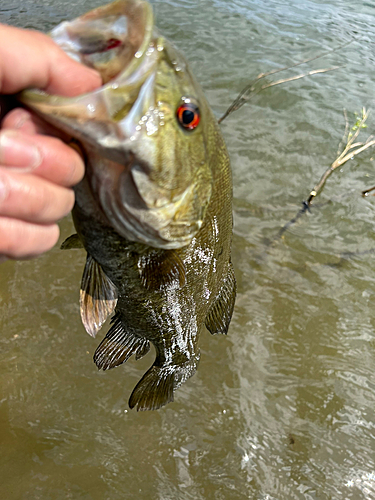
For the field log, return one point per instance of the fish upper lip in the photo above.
(100, 107)
(119, 80)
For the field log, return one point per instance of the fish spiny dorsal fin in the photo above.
(97, 297)
(71, 242)
(118, 345)
(160, 268)
(154, 390)
(219, 316)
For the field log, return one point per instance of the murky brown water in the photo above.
(282, 408)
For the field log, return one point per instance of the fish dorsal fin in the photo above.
(154, 390)
(160, 268)
(220, 314)
(97, 297)
(71, 242)
(118, 345)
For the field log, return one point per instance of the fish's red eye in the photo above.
(188, 115)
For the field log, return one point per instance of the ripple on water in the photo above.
(281, 408)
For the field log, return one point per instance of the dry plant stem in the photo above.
(348, 153)
(297, 77)
(367, 192)
(249, 89)
(346, 133)
(244, 98)
(351, 149)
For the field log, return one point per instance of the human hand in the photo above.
(36, 171)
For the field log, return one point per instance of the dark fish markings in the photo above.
(154, 211)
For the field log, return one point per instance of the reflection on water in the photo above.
(282, 408)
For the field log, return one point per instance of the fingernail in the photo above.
(18, 151)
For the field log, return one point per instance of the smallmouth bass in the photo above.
(154, 210)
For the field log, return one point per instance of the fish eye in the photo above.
(188, 115)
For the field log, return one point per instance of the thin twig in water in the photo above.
(245, 98)
(347, 154)
(242, 98)
(367, 192)
(350, 150)
(346, 133)
(297, 77)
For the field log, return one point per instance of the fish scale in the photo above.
(154, 210)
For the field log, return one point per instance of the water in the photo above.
(281, 409)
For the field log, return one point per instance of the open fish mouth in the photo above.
(116, 40)
(108, 38)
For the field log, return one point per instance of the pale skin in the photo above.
(37, 171)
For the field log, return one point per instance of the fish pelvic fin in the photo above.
(118, 345)
(155, 389)
(72, 242)
(97, 297)
(158, 269)
(220, 313)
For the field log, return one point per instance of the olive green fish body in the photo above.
(154, 211)
(153, 305)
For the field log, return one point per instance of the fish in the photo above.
(154, 210)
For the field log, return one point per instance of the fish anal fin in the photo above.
(97, 298)
(158, 269)
(220, 313)
(118, 345)
(72, 242)
(154, 390)
(142, 350)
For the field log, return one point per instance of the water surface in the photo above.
(283, 407)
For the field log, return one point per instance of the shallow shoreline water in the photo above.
(281, 408)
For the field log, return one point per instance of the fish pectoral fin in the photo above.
(220, 313)
(97, 297)
(118, 345)
(71, 242)
(154, 390)
(159, 269)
